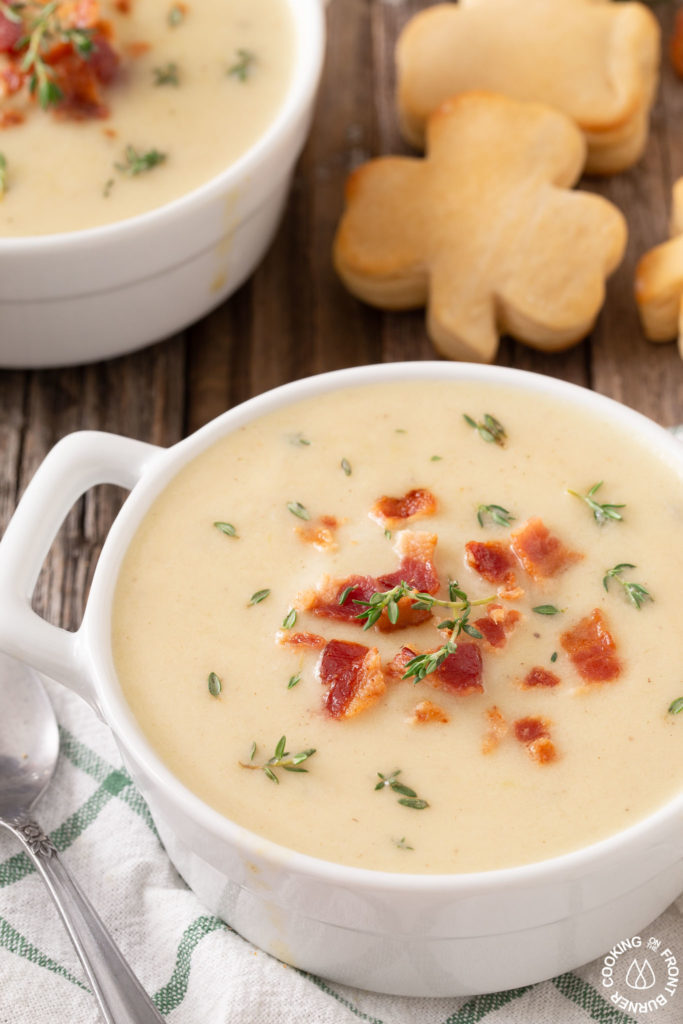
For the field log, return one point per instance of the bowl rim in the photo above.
(96, 633)
(308, 26)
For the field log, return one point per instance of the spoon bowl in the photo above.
(29, 748)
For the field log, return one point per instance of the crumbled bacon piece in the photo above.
(395, 512)
(353, 675)
(534, 733)
(12, 79)
(313, 640)
(79, 80)
(592, 649)
(497, 727)
(396, 667)
(416, 551)
(122, 6)
(10, 118)
(320, 532)
(79, 13)
(542, 554)
(538, 676)
(10, 33)
(461, 671)
(497, 625)
(426, 711)
(493, 560)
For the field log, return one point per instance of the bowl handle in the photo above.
(78, 462)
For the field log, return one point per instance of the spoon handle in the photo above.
(121, 997)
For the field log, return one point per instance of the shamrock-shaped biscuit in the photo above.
(659, 281)
(483, 231)
(593, 59)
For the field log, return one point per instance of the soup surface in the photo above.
(196, 87)
(526, 726)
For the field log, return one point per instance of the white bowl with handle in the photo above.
(438, 935)
(91, 294)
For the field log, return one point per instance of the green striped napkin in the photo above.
(196, 968)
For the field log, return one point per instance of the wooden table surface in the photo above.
(293, 317)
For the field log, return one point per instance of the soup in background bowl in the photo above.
(493, 774)
(164, 184)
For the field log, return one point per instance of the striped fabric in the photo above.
(195, 966)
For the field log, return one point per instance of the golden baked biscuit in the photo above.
(483, 231)
(596, 60)
(659, 281)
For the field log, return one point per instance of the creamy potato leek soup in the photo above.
(111, 108)
(517, 565)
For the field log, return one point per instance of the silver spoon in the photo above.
(29, 745)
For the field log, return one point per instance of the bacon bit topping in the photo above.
(497, 728)
(534, 733)
(354, 677)
(11, 81)
(497, 625)
(313, 640)
(426, 711)
(541, 553)
(320, 533)
(459, 672)
(538, 676)
(138, 49)
(676, 45)
(416, 551)
(122, 6)
(395, 512)
(493, 560)
(10, 33)
(10, 118)
(396, 667)
(592, 649)
(80, 81)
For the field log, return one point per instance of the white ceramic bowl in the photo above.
(91, 294)
(408, 934)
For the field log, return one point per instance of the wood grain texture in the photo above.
(294, 317)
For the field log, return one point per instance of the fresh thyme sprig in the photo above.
(389, 599)
(242, 67)
(402, 844)
(602, 513)
(167, 74)
(280, 759)
(499, 515)
(407, 796)
(3, 174)
(42, 30)
(138, 163)
(423, 665)
(636, 593)
(489, 429)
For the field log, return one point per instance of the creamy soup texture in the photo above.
(199, 88)
(609, 750)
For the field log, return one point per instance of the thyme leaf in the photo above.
(280, 759)
(676, 706)
(138, 163)
(499, 515)
(294, 680)
(297, 509)
(635, 592)
(553, 656)
(214, 684)
(407, 796)
(402, 844)
(602, 513)
(243, 65)
(346, 466)
(259, 596)
(227, 528)
(176, 15)
(289, 619)
(298, 440)
(548, 609)
(167, 74)
(489, 429)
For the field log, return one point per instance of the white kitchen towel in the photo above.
(196, 968)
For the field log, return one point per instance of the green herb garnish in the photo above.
(3, 175)
(346, 466)
(601, 513)
(402, 844)
(289, 619)
(242, 67)
(676, 706)
(499, 515)
(214, 683)
(436, 458)
(297, 509)
(408, 796)
(636, 593)
(227, 528)
(168, 74)
(387, 534)
(138, 163)
(553, 656)
(548, 609)
(176, 15)
(108, 186)
(489, 429)
(344, 596)
(259, 596)
(280, 759)
(294, 680)
(299, 440)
